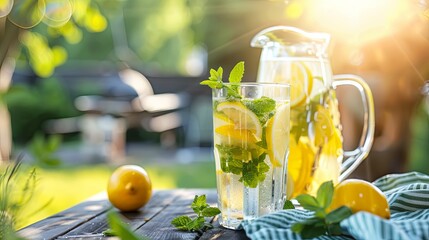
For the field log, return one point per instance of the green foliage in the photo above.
(44, 149)
(288, 205)
(61, 19)
(30, 107)
(263, 107)
(235, 77)
(322, 222)
(254, 171)
(119, 228)
(198, 224)
(239, 161)
(16, 192)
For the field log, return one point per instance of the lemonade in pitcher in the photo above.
(316, 151)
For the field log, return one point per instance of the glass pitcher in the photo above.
(291, 55)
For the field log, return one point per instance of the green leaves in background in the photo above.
(44, 149)
(27, 13)
(62, 19)
(322, 222)
(16, 191)
(198, 224)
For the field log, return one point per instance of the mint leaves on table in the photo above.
(198, 224)
(322, 222)
(235, 77)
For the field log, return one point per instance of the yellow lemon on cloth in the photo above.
(360, 195)
(129, 188)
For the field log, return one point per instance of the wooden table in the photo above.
(87, 220)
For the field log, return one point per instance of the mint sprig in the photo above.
(322, 222)
(235, 76)
(249, 163)
(198, 224)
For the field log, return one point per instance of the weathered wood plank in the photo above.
(160, 226)
(219, 232)
(65, 221)
(88, 220)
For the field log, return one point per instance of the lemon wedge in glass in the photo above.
(277, 135)
(241, 116)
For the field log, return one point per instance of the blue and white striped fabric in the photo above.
(408, 197)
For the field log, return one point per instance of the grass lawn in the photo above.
(65, 187)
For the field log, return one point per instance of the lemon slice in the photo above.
(242, 117)
(301, 81)
(300, 164)
(220, 119)
(236, 137)
(277, 134)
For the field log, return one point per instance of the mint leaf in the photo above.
(237, 73)
(288, 205)
(181, 222)
(199, 203)
(263, 107)
(233, 92)
(334, 229)
(235, 76)
(308, 202)
(212, 84)
(338, 215)
(312, 231)
(210, 212)
(254, 171)
(325, 193)
(322, 222)
(310, 228)
(231, 158)
(215, 79)
(198, 224)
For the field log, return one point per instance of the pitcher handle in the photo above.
(355, 157)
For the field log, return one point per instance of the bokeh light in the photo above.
(362, 21)
(5, 7)
(58, 12)
(27, 13)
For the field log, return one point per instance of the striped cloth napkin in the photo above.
(408, 197)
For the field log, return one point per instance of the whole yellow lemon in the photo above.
(129, 188)
(360, 195)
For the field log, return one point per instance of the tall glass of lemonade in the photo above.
(251, 136)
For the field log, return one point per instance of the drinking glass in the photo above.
(251, 145)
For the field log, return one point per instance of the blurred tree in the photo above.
(19, 20)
